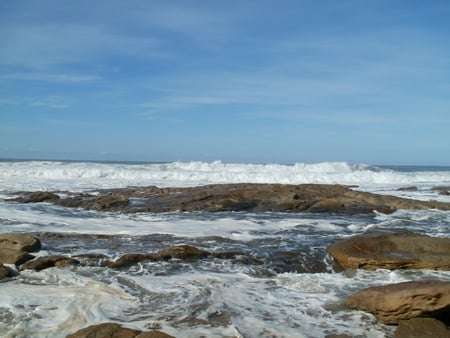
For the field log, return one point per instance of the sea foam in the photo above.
(49, 175)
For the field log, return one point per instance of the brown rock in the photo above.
(113, 330)
(130, 259)
(246, 197)
(42, 263)
(10, 256)
(392, 250)
(6, 272)
(37, 197)
(395, 302)
(422, 328)
(183, 252)
(105, 330)
(153, 334)
(111, 202)
(19, 242)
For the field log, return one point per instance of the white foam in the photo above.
(56, 302)
(27, 218)
(45, 175)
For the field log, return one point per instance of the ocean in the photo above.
(284, 285)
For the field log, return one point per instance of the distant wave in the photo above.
(81, 175)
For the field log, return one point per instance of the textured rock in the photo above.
(113, 330)
(105, 330)
(133, 258)
(245, 197)
(183, 252)
(392, 250)
(422, 328)
(395, 302)
(19, 242)
(6, 272)
(46, 262)
(153, 334)
(10, 256)
(37, 197)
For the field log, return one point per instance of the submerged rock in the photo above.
(244, 197)
(46, 262)
(392, 250)
(412, 188)
(37, 197)
(113, 330)
(395, 302)
(133, 258)
(183, 252)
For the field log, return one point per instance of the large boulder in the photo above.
(15, 248)
(113, 330)
(395, 302)
(392, 250)
(422, 328)
(19, 242)
(10, 256)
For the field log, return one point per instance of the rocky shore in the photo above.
(420, 309)
(416, 307)
(313, 198)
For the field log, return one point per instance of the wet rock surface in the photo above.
(6, 272)
(113, 330)
(422, 328)
(396, 302)
(15, 248)
(398, 249)
(236, 197)
(19, 242)
(46, 262)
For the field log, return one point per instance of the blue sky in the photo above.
(237, 81)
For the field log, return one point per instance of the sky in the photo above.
(237, 81)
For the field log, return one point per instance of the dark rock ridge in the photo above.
(42, 263)
(236, 197)
(398, 249)
(181, 252)
(402, 301)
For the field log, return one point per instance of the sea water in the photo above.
(267, 293)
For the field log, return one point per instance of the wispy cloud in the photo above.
(50, 102)
(70, 123)
(48, 77)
